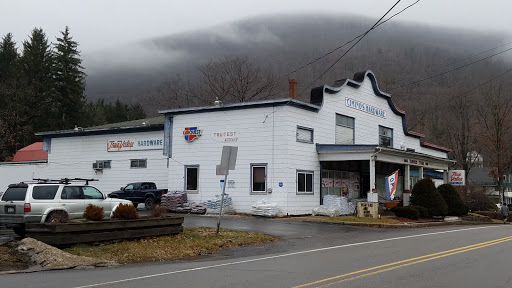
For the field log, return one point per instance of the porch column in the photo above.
(445, 176)
(372, 194)
(407, 185)
(420, 172)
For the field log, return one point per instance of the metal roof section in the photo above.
(243, 105)
(33, 152)
(148, 124)
(480, 176)
(356, 82)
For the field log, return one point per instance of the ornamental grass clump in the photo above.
(93, 213)
(157, 211)
(425, 194)
(126, 211)
(452, 198)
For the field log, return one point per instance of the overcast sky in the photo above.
(99, 24)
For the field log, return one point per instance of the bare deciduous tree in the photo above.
(495, 115)
(234, 79)
(173, 93)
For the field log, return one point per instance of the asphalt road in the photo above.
(318, 255)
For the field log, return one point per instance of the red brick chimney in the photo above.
(293, 88)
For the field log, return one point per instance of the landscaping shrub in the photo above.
(452, 198)
(126, 211)
(425, 194)
(424, 213)
(479, 201)
(93, 213)
(157, 211)
(407, 212)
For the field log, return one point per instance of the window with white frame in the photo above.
(138, 163)
(385, 137)
(304, 182)
(304, 134)
(192, 178)
(258, 178)
(344, 129)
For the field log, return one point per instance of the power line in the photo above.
(346, 43)
(351, 47)
(449, 71)
(471, 56)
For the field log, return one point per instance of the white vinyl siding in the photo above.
(344, 129)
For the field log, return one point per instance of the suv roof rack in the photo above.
(64, 180)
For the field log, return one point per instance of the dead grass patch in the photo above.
(192, 242)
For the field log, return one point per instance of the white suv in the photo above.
(43, 200)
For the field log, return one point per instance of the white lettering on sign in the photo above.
(365, 108)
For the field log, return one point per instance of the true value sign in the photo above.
(134, 144)
(457, 177)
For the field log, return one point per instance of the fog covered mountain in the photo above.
(398, 53)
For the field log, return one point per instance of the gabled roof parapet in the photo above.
(356, 82)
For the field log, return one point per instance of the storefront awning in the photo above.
(335, 152)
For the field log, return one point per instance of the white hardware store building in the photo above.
(343, 142)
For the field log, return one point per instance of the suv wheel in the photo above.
(150, 201)
(57, 217)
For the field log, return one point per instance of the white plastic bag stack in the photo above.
(334, 206)
(345, 208)
(323, 210)
(265, 208)
(213, 206)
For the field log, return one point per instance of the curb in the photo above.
(406, 225)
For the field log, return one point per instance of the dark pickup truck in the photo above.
(140, 192)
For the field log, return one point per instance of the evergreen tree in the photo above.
(8, 57)
(36, 62)
(135, 112)
(69, 82)
(452, 198)
(425, 194)
(14, 125)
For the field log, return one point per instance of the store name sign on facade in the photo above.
(365, 108)
(416, 162)
(134, 144)
(225, 136)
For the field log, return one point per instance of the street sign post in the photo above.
(227, 162)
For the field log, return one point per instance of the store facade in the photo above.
(343, 142)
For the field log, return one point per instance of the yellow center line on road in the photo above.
(406, 262)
